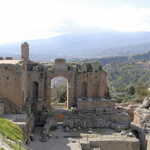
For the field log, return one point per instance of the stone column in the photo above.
(24, 83)
(48, 93)
(70, 93)
(25, 51)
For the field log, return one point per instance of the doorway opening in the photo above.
(59, 91)
(35, 90)
(59, 96)
(84, 89)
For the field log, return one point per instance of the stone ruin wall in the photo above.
(83, 84)
(27, 80)
(10, 83)
(111, 120)
(141, 123)
(112, 144)
(91, 104)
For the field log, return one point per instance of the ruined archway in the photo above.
(59, 92)
(68, 89)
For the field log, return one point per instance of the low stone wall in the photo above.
(117, 145)
(116, 121)
(9, 58)
(90, 104)
(137, 119)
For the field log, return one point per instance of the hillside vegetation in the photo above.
(123, 75)
(127, 58)
(124, 78)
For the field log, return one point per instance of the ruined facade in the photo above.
(25, 86)
(23, 80)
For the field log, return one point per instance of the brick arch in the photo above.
(69, 88)
(66, 83)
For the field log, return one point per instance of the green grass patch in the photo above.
(10, 129)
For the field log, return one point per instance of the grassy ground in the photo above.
(10, 133)
(10, 129)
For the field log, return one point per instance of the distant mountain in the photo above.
(82, 45)
(120, 59)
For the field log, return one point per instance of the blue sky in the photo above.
(35, 19)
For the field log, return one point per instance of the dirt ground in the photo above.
(65, 140)
(56, 142)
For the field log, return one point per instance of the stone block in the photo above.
(90, 99)
(146, 102)
(103, 99)
(8, 58)
(99, 109)
(146, 117)
(79, 99)
(123, 132)
(85, 146)
(67, 129)
(108, 110)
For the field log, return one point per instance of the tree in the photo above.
(131, 90)
(141, 89)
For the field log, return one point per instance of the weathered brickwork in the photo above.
(22, 80)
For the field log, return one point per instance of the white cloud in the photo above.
(33, 19)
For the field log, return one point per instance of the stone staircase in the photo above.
(10, 107)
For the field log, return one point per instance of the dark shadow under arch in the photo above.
(35, 90)
(84, 89)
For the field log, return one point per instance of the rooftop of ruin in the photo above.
(9, 61)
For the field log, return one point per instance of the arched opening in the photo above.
(59, 92)
(84, 89)
(35, 90)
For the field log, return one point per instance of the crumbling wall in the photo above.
(117, 145)
(91, 104)
(10, 83)
(117, 121)
(141, 123)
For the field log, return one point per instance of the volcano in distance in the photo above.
(99, 44)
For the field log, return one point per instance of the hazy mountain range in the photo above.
(99, 44)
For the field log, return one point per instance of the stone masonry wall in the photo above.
(23, 79)
(97, 120)
(116, 145)
(137, 119)
(10, 83)
(90, 104)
